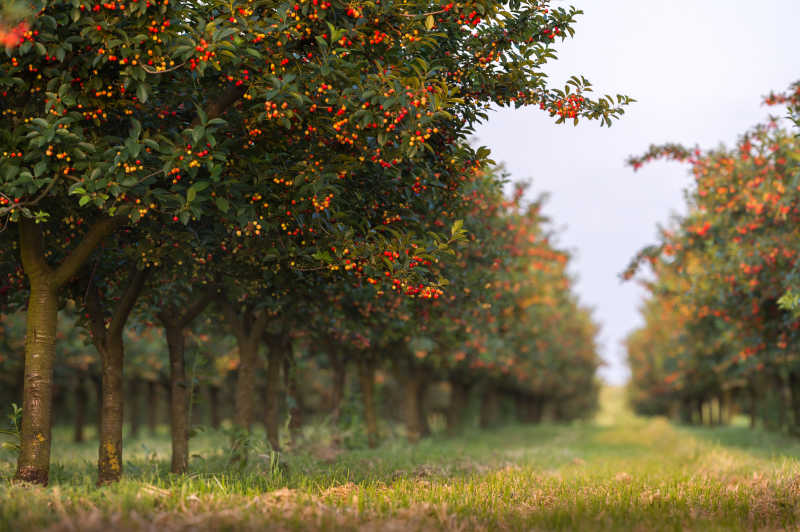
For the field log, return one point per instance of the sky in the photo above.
(698, 70)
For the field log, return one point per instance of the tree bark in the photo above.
(246, 384)
(109, 466)
(97, 382)
(366, 380)
(294, 400)
(135, 402)
(753, 406)
(152, 407)
(794, 387)
(248, 328)
(537, 408)
(213, 406)
(33, 462)
(175, 323)
(489, 406)
(339, 370)
(179, 401)
(109, 343)
(274, 393)
(412, 382)
(422, 393)
(459, 395)
(81, 405)
(781, 396)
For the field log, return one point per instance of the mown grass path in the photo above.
(619, 472)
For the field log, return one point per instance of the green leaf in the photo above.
(142, 92)
(136, 128)
(40, 168)
(222, 204)
(198, 133)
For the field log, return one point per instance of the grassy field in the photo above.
(618, 472)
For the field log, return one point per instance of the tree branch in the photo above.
(80, 254)
(96, 318)
(125, 306)
(167, 317)
(259, 324)
(228, 98)
(231, 316)
(196, 308)
(31, 245)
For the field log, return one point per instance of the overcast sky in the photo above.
(698, 69)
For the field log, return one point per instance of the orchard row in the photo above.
(300, 167)
(721, 322)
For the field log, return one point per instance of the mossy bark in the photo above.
(366, 381)
(108, 340)
(109, 465)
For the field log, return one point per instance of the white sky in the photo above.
(698, 69)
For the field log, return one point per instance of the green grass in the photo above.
(619, 472)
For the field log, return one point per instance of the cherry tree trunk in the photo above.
(152, 406)
(274, 392)
(489, 407)
(179, 400)
(246, 384)
(339, 369)
(135, 403)
(412, 382)
(794, 387)
(81, 405)
(109, 466)
(422, 393)
(293, 399)
(459, 396)
(214, 406)
(366, 381)
(33, 463)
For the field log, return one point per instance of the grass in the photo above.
(618, 472)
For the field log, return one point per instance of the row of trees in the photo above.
(293, 164)
(721, 322)
(512, 332)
